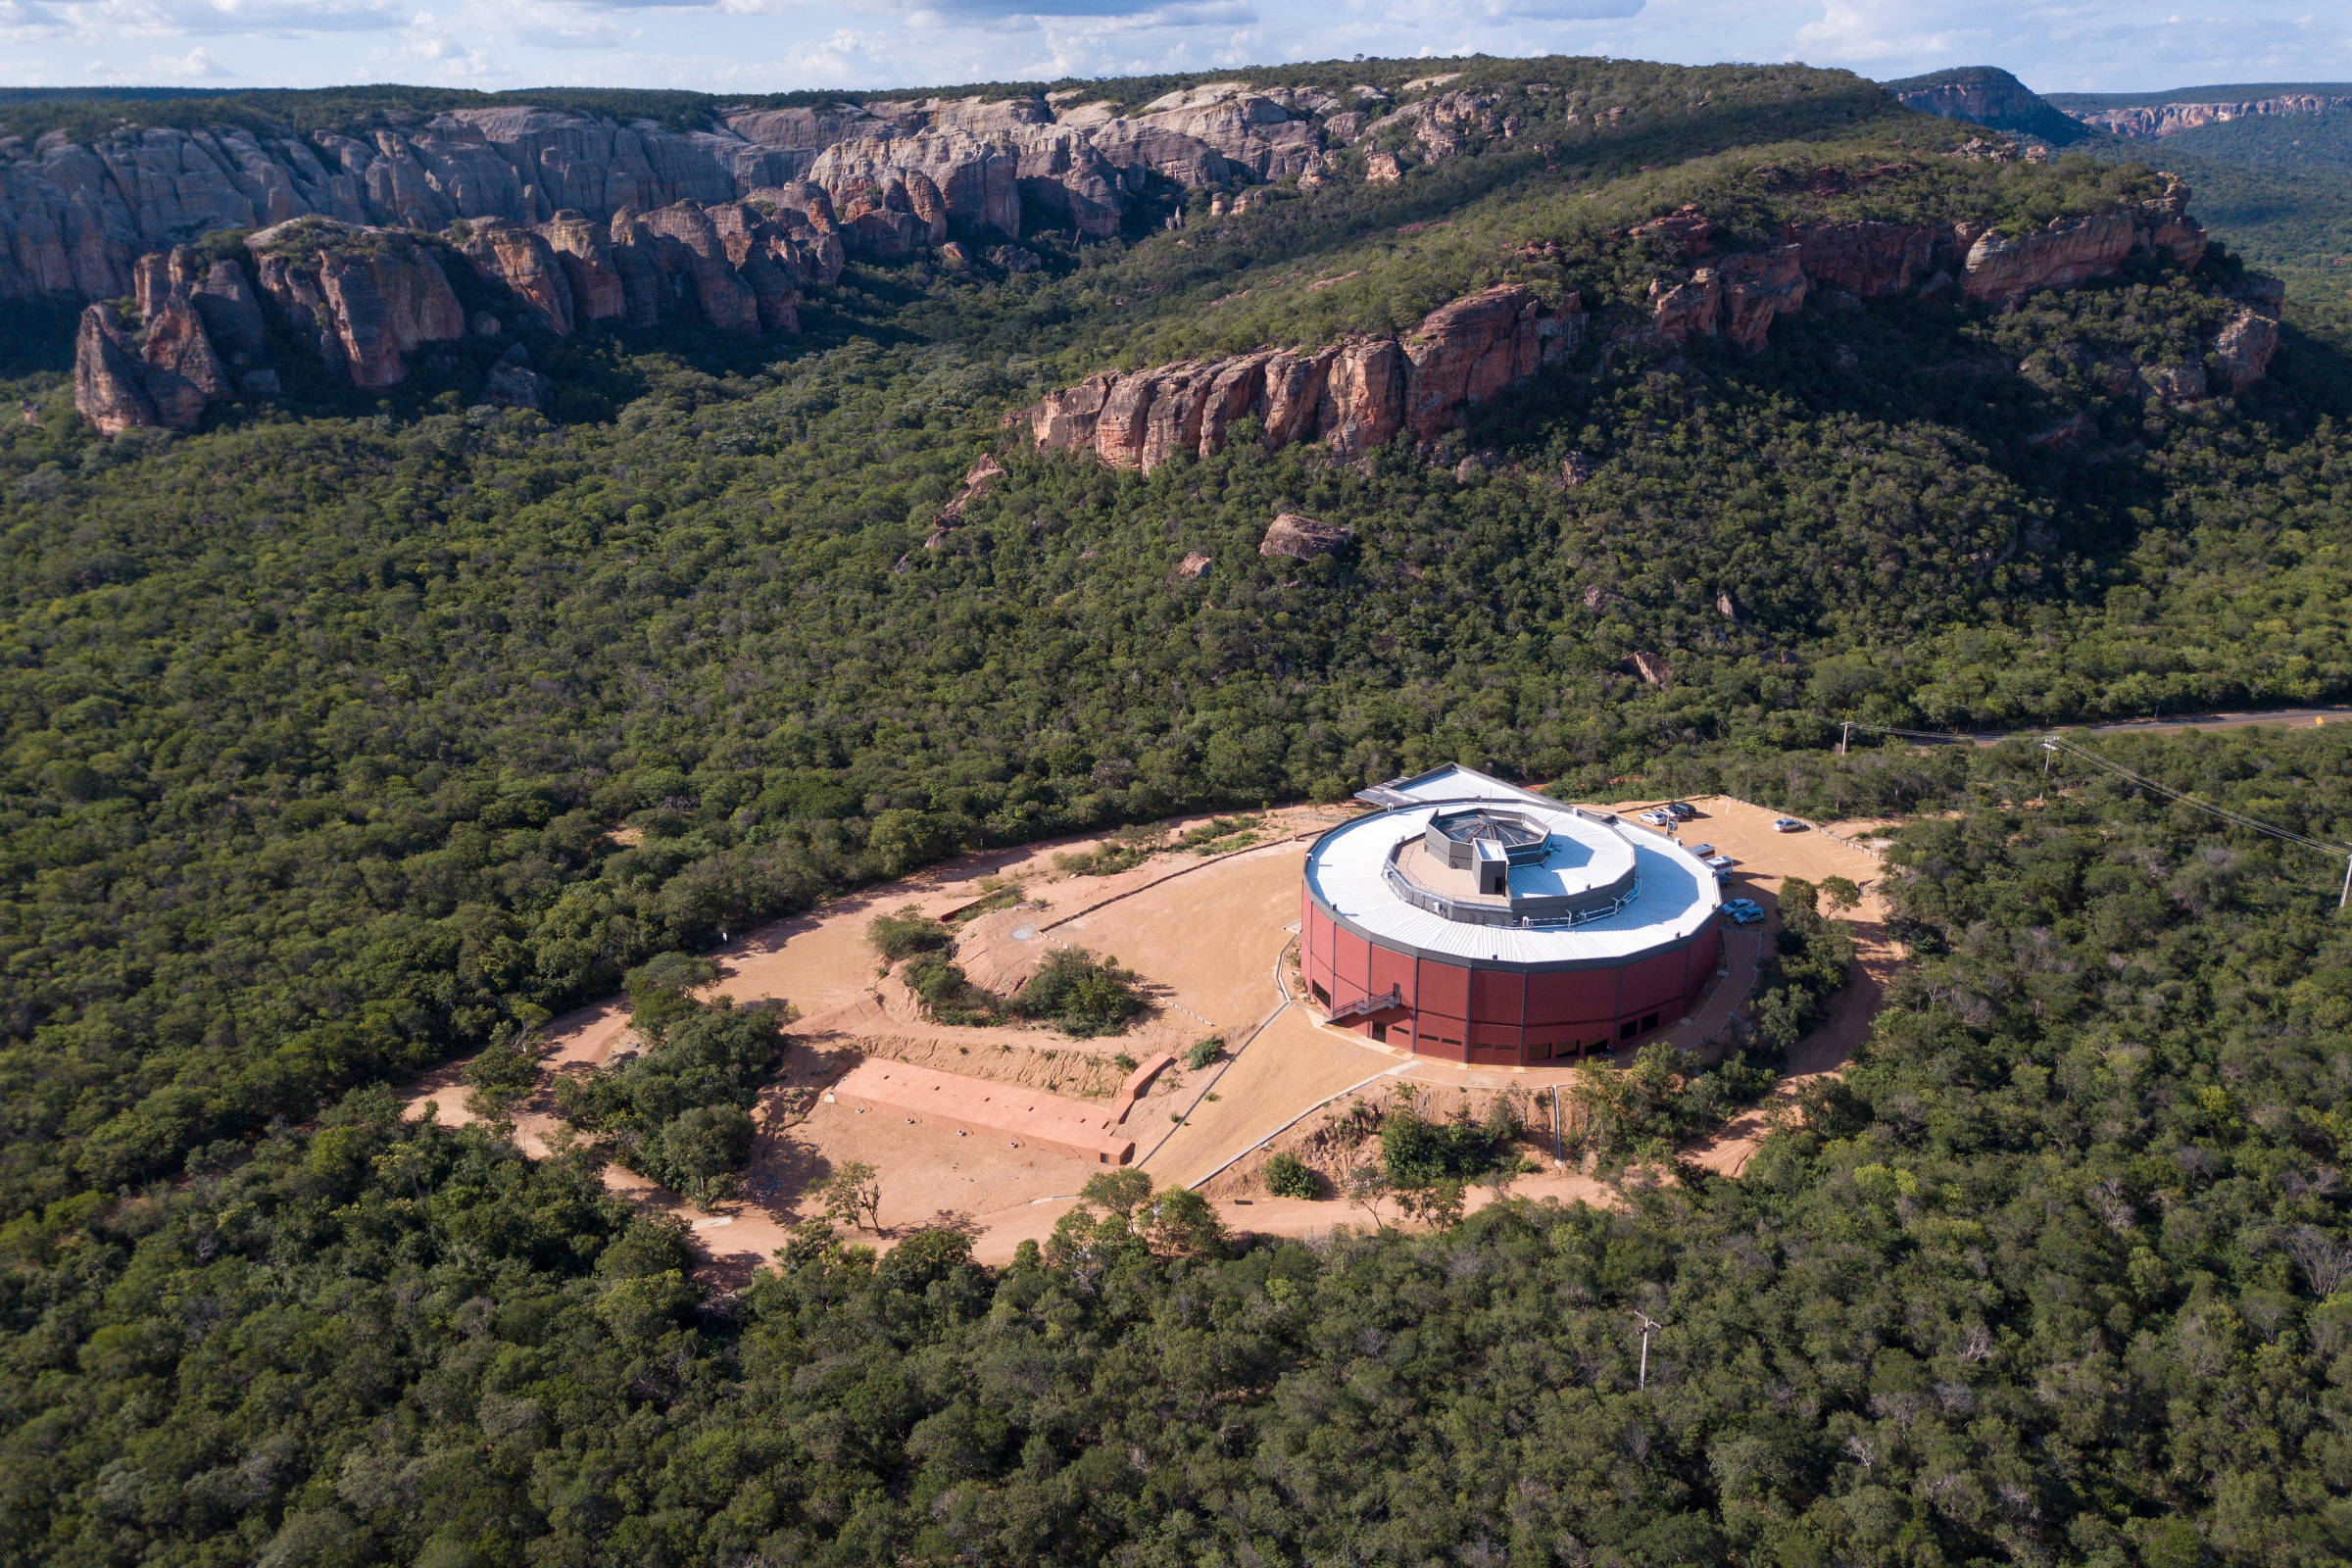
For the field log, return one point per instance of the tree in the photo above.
(906, 933)
(1435, 1205)
(1367, 1187)
(1120, 1191)
(501, 1073)
(852, 1195)
(1179, 1222)
(1288, 1176)
(1840, 893)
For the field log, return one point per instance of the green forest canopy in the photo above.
(319, 723)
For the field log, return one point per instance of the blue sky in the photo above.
(773, 45)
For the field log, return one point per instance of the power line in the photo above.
(2325, 847)
(2053, 743)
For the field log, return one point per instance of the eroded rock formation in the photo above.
(1354, 395)
(2168, 119)
(1358, 393)
(1303, 538)
(365, 297)
(74, 220)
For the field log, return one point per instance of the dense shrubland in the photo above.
(2054, 1272)
(351, 738)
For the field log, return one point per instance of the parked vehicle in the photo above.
(1720, 862)
(1786, 824)
(1681, 810)
(1742, 917)
(1655, 818)
(1702, 851)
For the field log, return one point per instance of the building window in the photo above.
(1322, 996)
(1630, 1028)
(1649, 1021)
(1380, 1031)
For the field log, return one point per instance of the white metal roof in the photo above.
(1677, 893)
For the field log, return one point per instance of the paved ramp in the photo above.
(1288, 1068)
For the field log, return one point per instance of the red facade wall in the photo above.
(1498, 1016)
(1495, 1016)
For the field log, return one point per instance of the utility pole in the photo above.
(2346, 895)
(1557, 1161)
(1642, 1381)
(1845, 738)
(2050, 748)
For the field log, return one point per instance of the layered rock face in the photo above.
(368, 298)
(2169, 119)
(1739, 295)
(74, 220)
(1354, 395)
(365, 297)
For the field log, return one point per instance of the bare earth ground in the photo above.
(1210, 936)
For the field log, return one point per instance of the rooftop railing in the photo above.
(1483, 914)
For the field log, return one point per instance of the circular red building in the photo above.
(1482, 924)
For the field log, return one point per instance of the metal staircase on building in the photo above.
(1393, 997)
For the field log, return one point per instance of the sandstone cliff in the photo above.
(74, 220)
(365, 297)
(368, 298)
(1986, 95)
(2168, 119)
(165, 376)
(1354, 395)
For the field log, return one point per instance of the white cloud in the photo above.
(197, 64)
(99, 19)
(744, 45)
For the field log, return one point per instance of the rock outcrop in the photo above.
(1870, 261)
(170, 369)
(1739, 296)
(1358, 393)
(109, 388)
(2245, 348)
(1739, 299)
(1303, 538)
(526, 263)
(1986, 95)
(365, 297)
(2169, 119)
(74, 220)
(513, 384)
(1354, 395)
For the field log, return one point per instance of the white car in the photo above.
(1740, 915)
(1655, 819)
(1786, 824)
(1720, 862)
(1702, 851)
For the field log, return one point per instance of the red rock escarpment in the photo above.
(75, 219)
(1354, 395)
(164, 377)
(367, 297)
(525, 262)
(1358, 393)
(2169, 119)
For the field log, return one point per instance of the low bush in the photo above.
(1416, 1151)
(1288, 1176)
(1081, 994)
(901, 935)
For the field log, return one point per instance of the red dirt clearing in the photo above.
(1020, 1116)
